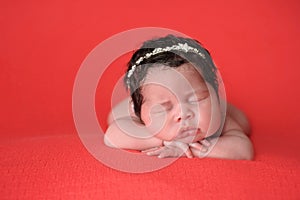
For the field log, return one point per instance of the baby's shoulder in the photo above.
(236, 120)
(230, 124)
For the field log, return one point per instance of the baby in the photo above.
(175, 107)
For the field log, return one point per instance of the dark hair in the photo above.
(171, 59)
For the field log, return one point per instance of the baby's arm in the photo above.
(138, 138)
(233, 142)
(116, 137)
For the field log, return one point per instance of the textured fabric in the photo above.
(59, 167)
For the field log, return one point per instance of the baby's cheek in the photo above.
(208, 118)
(168, 132)
(214, 121)
(204, 119)
(145, 117)
(154, 122)
(161, 126)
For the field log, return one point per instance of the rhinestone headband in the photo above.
(179, 47)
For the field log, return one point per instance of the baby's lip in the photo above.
(188, 131)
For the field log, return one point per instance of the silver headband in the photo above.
(179, 47)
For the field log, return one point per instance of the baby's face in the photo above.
(178, 103)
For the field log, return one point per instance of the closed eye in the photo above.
(161, 108)
(199, 97)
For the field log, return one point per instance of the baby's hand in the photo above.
(200, 148)
(170, 149)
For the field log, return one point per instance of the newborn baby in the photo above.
(175, 108)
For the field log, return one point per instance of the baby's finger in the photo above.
(196, 145)
(189, 153)
(166, 153)
(199, 153)
(205, 142)
(152, 149)
(199, 147)
(155, 152)
(185, 148)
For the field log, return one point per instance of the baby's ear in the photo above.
(132, 113)
(131, 108)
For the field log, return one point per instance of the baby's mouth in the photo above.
(188, 132)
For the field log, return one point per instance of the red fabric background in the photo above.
(42, 44)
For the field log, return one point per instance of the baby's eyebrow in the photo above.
(161, 102)
(198, 90)
(165, 103)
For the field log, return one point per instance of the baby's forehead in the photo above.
(187, 67)
(166, 81)
(165, 74)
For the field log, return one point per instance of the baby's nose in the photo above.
(184, 114)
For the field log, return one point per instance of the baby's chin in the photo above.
(192, 139)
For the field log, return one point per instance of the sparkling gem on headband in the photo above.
(178, 47)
